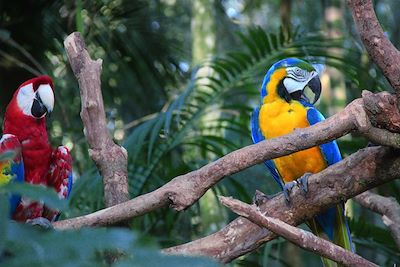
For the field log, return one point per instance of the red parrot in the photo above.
(35, 161)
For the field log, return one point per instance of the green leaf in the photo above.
(4, 213)
(37, 193)
(8, 155)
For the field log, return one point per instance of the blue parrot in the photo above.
(283, 108)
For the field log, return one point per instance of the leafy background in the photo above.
(174, 113)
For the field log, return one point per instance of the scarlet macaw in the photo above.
(34, 160)
(284, 107)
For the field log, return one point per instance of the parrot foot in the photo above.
(41, 222)
(286, 190)
(260, 198)
(302, 183)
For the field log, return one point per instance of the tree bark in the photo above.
(379, 48)
(285, 11)
(111, 159)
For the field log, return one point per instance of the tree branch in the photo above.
(379, 48)
(353, 175)
(299, 237)
(111, 159)
(388, 207)
(182, 191)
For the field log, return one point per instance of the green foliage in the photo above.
(36, 192)
(234, 77)
(25, 245)
(370, 237)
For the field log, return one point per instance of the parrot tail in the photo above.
(332, 225)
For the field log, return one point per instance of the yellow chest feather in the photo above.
(279, 118)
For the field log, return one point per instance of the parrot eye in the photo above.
(299, 72)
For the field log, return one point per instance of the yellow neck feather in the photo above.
(272, 86)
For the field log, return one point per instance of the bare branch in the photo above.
(388, 207)
(182, 191)
(110, 158)
(364, 169)
(379, 48)
(299, 237)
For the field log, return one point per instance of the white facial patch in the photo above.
(25, 99)
(297, 79)
(292, 85)
(47, 96)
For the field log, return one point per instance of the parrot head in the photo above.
(33, 99)
(294, 76)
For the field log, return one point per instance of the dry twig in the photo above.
(299, 237)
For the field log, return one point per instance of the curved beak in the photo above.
(315, 86)
(43, 102)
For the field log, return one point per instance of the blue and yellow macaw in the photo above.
(284, 107)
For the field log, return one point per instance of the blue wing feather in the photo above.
(257, 136)
(329, 150)
(331, 153)
(70, 181)
(17, 170)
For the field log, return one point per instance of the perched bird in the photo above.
(284, 107)
(33, 160)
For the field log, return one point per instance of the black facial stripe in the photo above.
(283, 93)
(296, 95)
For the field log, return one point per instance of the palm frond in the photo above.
(234, 77)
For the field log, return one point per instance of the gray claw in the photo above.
(302, 182)
(286, 190)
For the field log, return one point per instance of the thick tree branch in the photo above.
(111, 159)
(299, 237)
(379, 48)
(353, 175)
(182, 191)
(388, 207)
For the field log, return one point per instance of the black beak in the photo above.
(38, 109)
(315, 86)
